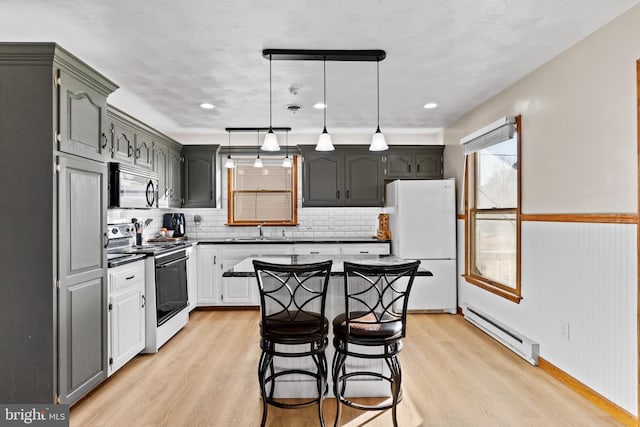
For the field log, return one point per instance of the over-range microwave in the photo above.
(131, 187)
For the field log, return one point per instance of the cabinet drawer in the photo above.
(126, 275)
(372, 249)
(319, 249)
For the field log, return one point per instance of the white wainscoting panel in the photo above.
(583, 275)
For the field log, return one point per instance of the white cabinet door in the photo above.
(126, 322)
(127, 327)
(244, 290)
(366, 248)
(208, 275)
(192, 277)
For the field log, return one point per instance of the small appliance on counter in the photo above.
(175, 222)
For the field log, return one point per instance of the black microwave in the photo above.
(131, 187)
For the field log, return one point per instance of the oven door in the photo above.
(171, 285)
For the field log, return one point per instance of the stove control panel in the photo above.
(119, 231)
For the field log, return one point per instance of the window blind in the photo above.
(262, 194)
(495, 133)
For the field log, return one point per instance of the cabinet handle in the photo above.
(166, 192)
(129, 150)
(315, 252)
(137, 153)
(106, 140)
(130, 277)
(418, 168)
(214, 258)
(171, 192)
(144, 301)
(105, 239)
(409, 168)
(364, 252)
(338, 194)
(347, 194)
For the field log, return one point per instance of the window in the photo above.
(262, 195)
(493, 216)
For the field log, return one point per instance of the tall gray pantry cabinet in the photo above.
(53, 176)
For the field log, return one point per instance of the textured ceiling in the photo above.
(168, 56)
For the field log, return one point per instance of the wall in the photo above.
(579, 155)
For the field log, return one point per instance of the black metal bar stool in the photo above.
(375, 315)
(292, 306)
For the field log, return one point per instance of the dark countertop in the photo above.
(245, 267)
(278, 240)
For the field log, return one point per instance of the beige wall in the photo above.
(579, 134)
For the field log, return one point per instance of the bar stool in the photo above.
(292, 306)
(375, 315)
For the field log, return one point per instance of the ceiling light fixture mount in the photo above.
(378, 142)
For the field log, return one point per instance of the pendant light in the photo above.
(258, 162)
(378, 142)
(286, 162)
(270, 142)
(229, 163)
(324, 141)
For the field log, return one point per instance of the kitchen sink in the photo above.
(258, 239)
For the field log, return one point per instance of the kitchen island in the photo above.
(301, 386)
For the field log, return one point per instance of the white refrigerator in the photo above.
(422, 220)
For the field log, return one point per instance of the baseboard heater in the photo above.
(514, 341)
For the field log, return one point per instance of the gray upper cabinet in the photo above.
(198, 180)
(322, 178)
(82, 118)
(160, 165)
(52, 132)
(122, 140)
(364, 183)
(173, 178)
(348, 176)
(82, 269)
(414, 162)
(143, 152)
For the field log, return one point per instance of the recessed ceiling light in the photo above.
(430, 105)
(207, 106)
(319, 106)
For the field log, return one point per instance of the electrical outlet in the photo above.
(564, 330)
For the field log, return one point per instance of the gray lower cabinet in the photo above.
(82, 268)
(82, 118)
(199, 176)
(348, 176)
(414, 162)
(52, 297)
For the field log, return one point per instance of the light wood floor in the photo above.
(453, 375)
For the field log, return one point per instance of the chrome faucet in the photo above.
(260, 233)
